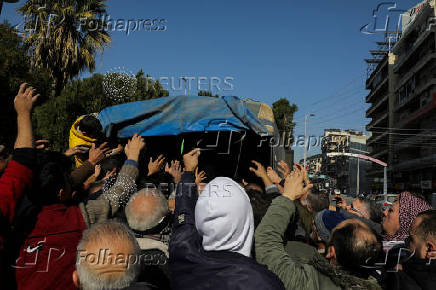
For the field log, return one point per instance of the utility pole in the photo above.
(305, 137)
(358, 177)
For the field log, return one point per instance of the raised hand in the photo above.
(25, 99)
(175, 170)
(308, 184)
(98, 154)
(294, 188)
(284, 169)
(110, 174)
(273, 176)
(156, 165)
(199, 176)
(23, 104)
(75, 150)
(258, 169)
(134, 147)
(97, 170)
(190, 160)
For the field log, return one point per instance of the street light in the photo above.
(186, 81)
(7, 1)
(305, 136)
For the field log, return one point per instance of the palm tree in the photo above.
(65, 36)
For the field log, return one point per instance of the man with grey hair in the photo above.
(147, 215)
(146, 209)
(107, 258)
(365, 210)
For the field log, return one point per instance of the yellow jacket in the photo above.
(78, 139)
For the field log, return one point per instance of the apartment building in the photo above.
(403, 102)
(342, 168)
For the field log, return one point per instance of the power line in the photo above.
(429, 129)
(335, 93)
(404, 134)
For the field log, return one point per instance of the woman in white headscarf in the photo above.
(212, 238)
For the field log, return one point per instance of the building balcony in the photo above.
(417, 163)
(379, 138)
(376, 106)
(418, 114)
(378, 70)
(415, 69)
(416, 92)
(382, 155)
(406, 55)
(377, 120)
(415, 140)
(376, 90)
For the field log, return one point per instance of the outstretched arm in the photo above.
(185, 245)
(270, 238)
(17, 177)
(118, 194)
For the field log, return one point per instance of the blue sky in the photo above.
(310, 52)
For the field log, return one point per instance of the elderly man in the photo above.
(146, 214)
(107, 258)
(365, 210)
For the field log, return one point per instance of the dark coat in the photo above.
(417, 274)
(194, 268)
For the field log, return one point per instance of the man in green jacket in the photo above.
(351, 249)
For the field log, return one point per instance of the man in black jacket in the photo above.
(418, 272)
(202, 257)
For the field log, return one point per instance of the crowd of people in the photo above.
(107, 222)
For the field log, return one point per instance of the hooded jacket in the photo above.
(78, 139)
(223, 204)
(226, 265)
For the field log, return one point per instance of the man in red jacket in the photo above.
(18, 175)
(44, 254)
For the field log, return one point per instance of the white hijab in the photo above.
(224, 217)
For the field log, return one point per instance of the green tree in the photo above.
(207, 94)
(14, 70)
(147, 89)
(284, 116)
(65, 36)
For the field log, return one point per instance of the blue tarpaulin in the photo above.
(175, 115)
